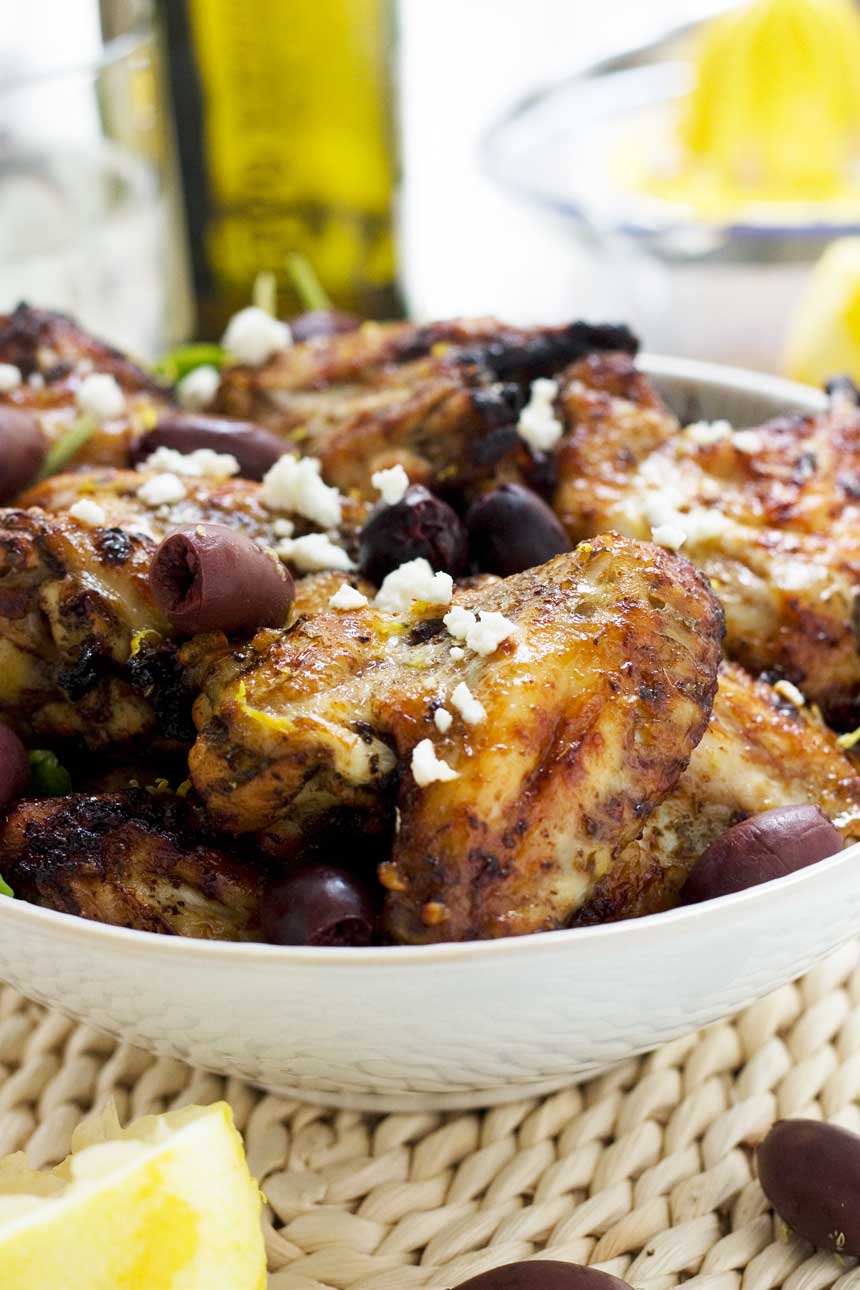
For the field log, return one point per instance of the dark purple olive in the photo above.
(543, 1274)
(253, 447)
(14, 767)
(22, 450)
(810, 1173)
(420, 524)
(319, 904)
(512, 529)
(322, 322)
(760, 848)
(207, 578)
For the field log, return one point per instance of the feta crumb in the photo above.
(458, 621)
(457, 653)
(295, 484)
(414, 580)
(253, 336)
(669, 535)
(99, 396)
(283, 528)
(36, 381)
(747, 440)
(391, 483)
(10, 377)
(538, 424)
(347, 597)
(162, 489)
(443, 720)
(427, 768)
(313, 552)
(788, 690)
(202, 463)
(487, 634)
(88, 512)
(199, 387)
(708, 432)
(470, 709)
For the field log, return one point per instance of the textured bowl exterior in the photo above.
(450, 1025)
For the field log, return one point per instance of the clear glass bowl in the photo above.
(699, 288)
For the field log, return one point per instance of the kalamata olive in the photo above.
(810, 1173)
(420, 524)
(543, 1274)
(22, 448)
(255, 449)
(760, 848)
(322, 322)
(207, 577)
(14, 767)
(512, 529)
(319, 904)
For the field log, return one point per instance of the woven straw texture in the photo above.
(645, 1171)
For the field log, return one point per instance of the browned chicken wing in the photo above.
(771, 515)
(131, 859)
(591, 708)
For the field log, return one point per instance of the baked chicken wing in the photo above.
(131, 859)
(771, 515)
(589, 710)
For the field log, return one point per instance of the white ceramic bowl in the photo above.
(451, 1025)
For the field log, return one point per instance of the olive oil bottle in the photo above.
(284, 125)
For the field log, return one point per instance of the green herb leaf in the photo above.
(47, 777)
(308, 287)
(175, 364)
(264, 293)
(81, 429)
(5, 889)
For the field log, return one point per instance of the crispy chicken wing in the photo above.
(442, 399)
(591, 707)
(54, 355)
(771, 515)
(131, 859)
(759, 751)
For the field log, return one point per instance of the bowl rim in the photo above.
(722, 909)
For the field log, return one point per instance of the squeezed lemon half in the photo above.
(166, 1204)
(824, 330)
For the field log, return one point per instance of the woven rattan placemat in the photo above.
(645, 1171)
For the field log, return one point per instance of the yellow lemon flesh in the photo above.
(824, 331)
(774, 113)
(166, 1204)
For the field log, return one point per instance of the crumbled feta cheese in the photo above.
(347, 597)
(747, 440)
(427, 768)
(283, 528)
(295, 484)
(10, 377)
(458, 621)
(162, 489)
(443, 720)
(414, 580)
(708, 432)
(100, 396)
(469, 708)
(313, 552)
(669, 535)
(202, 463)
(457, 653)
(538, 424)
(36, 381)
(487, 634)
(788, 690)
(199, 387)
(253, 336)
(88, 512)
(391, 483)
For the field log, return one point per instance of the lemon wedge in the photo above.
(166, 1204)
(824, 331)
